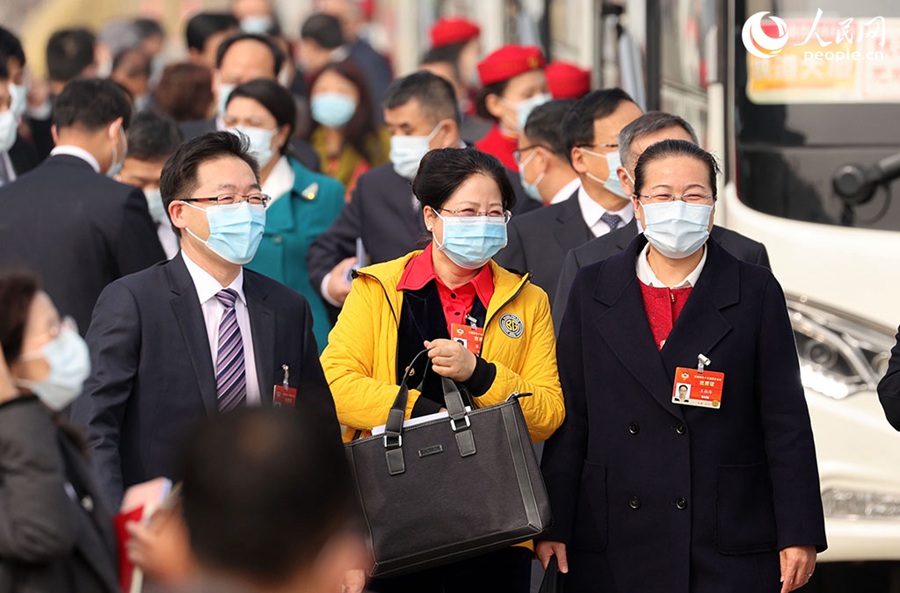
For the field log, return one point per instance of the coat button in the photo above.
(277, 239)
(635, 502)
(680, 503)
(634, 428)
(680, 428)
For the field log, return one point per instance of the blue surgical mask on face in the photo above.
(224, 93)
(524, 108)
(260, 140)
(235, 230)
(332, 110)
(155, 204)
(70, 364)
(531, 189)
(19, 99)
(258, 24)
(407, 152)
(471, 241)
(611, 183)
(118, 159)
(8, 125)
(676, 229)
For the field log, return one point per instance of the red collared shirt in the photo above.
(501, 146)
(457, 302)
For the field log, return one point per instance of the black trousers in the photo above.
(503, 571)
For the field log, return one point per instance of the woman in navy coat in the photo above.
(651, 494)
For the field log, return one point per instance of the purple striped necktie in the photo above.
(231, 380)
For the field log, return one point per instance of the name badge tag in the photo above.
(698, 388)
(284, 397)
(468, 336)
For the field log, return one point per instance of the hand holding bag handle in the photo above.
(553, 579)
(393, 430)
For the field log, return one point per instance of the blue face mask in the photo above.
(470, 241)
(676, 229)
(224, 93)
(524, 108)
(531, 189)
(611, 183)
(235, 230)
(332, 110)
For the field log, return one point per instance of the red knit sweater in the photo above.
(663, 306)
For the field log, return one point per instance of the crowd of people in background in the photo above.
(277, 220)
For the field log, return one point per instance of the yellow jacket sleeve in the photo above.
(361, 398)
(544, 411)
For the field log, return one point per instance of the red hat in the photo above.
(567, 81)
(509, 61)
(450, 30)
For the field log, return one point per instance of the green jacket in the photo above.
(292, 223)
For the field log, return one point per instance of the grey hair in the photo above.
(649, 123)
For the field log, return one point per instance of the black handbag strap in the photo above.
(459, 419)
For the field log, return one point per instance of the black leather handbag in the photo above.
(450, 488)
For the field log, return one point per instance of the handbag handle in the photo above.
(393, 429)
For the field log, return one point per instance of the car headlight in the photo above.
(840, 354)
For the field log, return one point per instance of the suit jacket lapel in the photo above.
(701, 324)
(624, 327)
(571, 230)
(626, 234)
(262, 327)
(186, 306)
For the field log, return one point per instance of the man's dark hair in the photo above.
(179, 174)
(544, 125)
(435, 95)
(204, 25)
(278, 475)
(143, 68)
(650, 123)
(153, 137)
(4, 71)
(578, 127)
(443, 170)
(92, 103)
(670, 148)
(148, 28)
(69, 52)
(442, 55)
(11, 47)
(324, 29)
(277, 100)
(277, 54)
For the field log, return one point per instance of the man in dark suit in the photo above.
(646, 130)
(197, 335)
(240, 58)
(539, 242)
(66, 220)
(383, 211)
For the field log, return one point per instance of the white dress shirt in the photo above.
(79, 152)
(167, 238)
(9, 172)
(646, 275)
(592, 211)
(213, 310)
(566, 192)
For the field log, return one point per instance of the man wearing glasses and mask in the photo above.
(198, 335)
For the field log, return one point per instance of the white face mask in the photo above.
(676, 229)
(260, 142)
(8, 125)
(525, 107)
(155, 204)
(70, 364)
(407, 152)
(19, 103)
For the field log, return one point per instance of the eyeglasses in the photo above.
(599, 145)
(692, 198)
(471, 213)
(229, 199)
(517, 153)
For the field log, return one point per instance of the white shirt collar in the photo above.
(79, 152)
(280, 181)
(207, 287)
(592, 211)
(646, 275)
(566, 192)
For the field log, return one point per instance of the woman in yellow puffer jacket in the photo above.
(451, 288)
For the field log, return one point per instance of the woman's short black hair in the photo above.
(443, 170)
(275, 98)
(667, 148)
(17, 291)
(496, 88)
